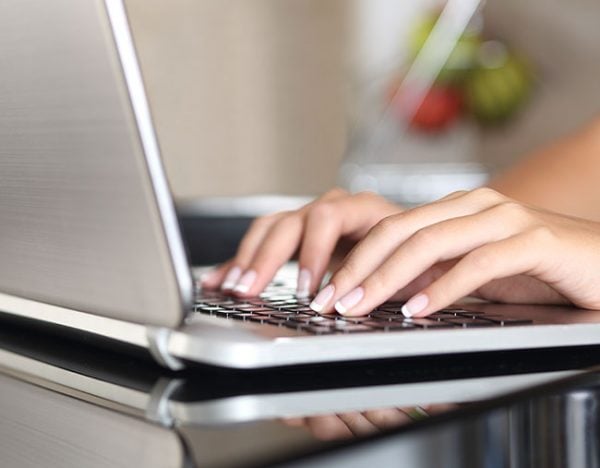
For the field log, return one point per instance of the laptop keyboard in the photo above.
(278, 306)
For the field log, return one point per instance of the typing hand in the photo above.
(315, 230)
(476, 242)
(362, 423)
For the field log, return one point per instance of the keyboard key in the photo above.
(283, 316)
(314, 320)
(293, 324)
(320, 319)
(382, 315)
(217, 302)
(262, 313)
(258, 318)
(316, 330)
(394, 309)
(515, 321)
(224, 313)
(429, 323)
(241, 316)
(274, 321)
(297, 308)
(207, 308)
(280, 307)
(506, 321)
(396, 325)
(377, 324)
(469, 323)
(354, 328)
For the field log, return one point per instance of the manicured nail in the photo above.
(303, 289)
(415, 305)
(245, 282)
(350, 300)
(232, 278)
(324, 296)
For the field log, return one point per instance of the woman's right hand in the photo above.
(314, 230)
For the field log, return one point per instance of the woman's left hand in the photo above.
(469, 243)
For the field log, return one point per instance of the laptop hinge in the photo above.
(158, 407)
(158, 342)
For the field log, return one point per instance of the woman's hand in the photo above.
(315, 230)
(362, 423)
(477, 242)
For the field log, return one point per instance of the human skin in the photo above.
(469, 243)
(360, 423)
(331, 224)
(481, 242)
(562, 177)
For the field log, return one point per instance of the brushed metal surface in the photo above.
(80, 224)
(231, 343)
(43, 428)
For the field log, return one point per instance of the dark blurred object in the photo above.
(212, 239)
(213, 227)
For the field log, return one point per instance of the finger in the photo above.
(214, 278)
(429, 246)
(247, 248)
(325, 224)
(416, 413)
(328, 427)
(423, 280)
(322, 230)
(258, 241)
(387, 418)
(277, 247)
(518, 254)
(358, 424)
(294, 422)
(385, 238)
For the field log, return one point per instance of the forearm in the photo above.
(563, 177)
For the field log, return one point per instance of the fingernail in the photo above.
(350, 300)
(415, 305)
(245, 282)
(232, 278)
(304, 278)
(324, 296)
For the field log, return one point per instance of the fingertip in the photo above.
(320, 303)
(346, 305)
(213, 277)
(231, 278)
(416, 306)
(245, 283)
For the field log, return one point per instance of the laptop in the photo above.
(145, 389)
(134, 410)
(90, 242)
(48, 428)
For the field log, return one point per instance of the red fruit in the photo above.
(440, 107)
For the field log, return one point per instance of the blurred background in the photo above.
(266, 96)
(292, 97)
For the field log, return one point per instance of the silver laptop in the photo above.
(144, 389)
(89, 239)
(48, 428)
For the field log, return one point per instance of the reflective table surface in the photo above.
(68, 403)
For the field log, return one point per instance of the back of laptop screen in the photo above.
(80, 224)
